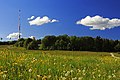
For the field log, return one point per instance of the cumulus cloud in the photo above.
(40, 21)
(13, 35)
(32, 17)
(100, 23)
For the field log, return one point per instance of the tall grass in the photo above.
(21, 64)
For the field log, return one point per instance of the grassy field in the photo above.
(21, 64)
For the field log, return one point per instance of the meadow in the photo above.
(21, 64)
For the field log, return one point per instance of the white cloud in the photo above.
(98, 22)
(13, 35)
(54, 20)
(32, 17)
(32, 37)
(40, 21)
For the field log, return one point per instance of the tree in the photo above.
(26, 42)
(98, 43)
(117, 47)
(62, 42)
(87, 43)
(33, 45)
(48, 42)
(19, 43)
(106, 45)
(74, 43)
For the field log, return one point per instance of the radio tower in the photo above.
(19, 24)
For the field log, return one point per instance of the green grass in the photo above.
(21, 64)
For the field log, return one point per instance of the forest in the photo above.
(70, 43)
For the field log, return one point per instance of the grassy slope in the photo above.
(18, 64)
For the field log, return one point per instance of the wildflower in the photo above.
(4, 75)
(114, 71)
(63, 65)
(98, 70)
(49, 76)
(109, 76)
(1, 66)
(64, 71)
(54, 63)
(83, 70)
(30, 70)
(113, 75)
(83, 73)
(93, 72)
(5, 71)
(80, 78)
(54, 59)
(93, 76)
(41, 60)
(67, 74)
(56, 76)
(68, 71)
(63, 78)
(71, 71)
(79, 70)
(39, 76)
(74, 78)
(20, 75)
(44, 78)
(99, 75)
(15, 63)
(97, 65)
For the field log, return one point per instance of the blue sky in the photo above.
(68, 12)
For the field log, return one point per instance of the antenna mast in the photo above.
(19, 24)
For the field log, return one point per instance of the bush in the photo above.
(33, 45)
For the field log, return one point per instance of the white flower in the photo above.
(113, 75)
(79, 70)
(109, 76)
(49, 76)
(63, 78)
(83, 70)
(99, 75)
(4, 75)
(71, 71)
(80, 78)
(30, 70)
(49, 69)
(74, 78)
(66, 74)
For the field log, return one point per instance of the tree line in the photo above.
(72, 43)
(7, 42)
(29, 44)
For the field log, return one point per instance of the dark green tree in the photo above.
(48, 42)
(98, 44)
(87, 43)
(20, 42)
(117, 47)
(33, 45)
(26, 42)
